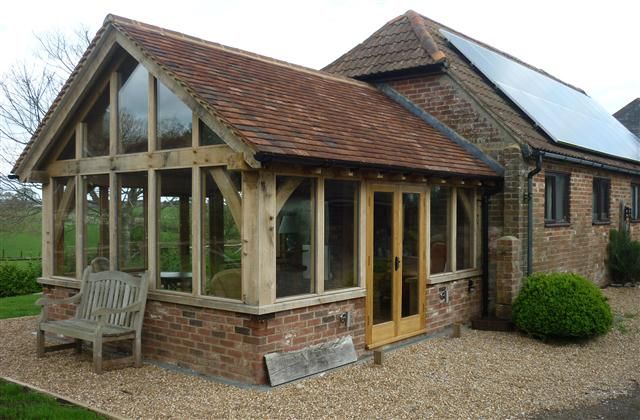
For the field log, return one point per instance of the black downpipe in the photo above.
(530, 211)
(486, 200)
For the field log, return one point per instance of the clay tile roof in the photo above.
(391, 48)
(400, 44)
(280, 109)
(629, 116)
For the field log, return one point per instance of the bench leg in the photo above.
(40, 343)
(97, 355)
(137, 351)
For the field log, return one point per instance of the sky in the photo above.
(591, 44)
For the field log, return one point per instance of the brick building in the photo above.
(278, 207)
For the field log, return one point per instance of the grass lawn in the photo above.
(15, 306)
(17, 402)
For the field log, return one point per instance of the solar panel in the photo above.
(565, 114)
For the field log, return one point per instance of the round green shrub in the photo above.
(561, 305)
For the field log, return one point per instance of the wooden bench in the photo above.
(110, 307)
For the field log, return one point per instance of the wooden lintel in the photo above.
(229, 192)
(162, 159)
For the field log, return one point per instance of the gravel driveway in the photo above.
(480, 375)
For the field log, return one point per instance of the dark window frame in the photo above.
(602, 198)
(635, 204)
(566, 199)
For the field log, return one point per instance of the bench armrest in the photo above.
(45, 301)
(107, 311)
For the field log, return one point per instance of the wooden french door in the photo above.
(395, 263)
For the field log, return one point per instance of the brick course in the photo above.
(232, 344)
(580, 247)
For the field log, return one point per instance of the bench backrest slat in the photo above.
(112, 290)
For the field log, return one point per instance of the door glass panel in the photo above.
(465, 213)
(382, 257)
(410, 253)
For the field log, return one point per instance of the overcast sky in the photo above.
(593, 45)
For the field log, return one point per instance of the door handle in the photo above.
(397, 263)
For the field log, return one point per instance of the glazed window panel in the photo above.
(133, 112)
(635, 202)
(600, 200)
(222, 247)
(98, 121)
(69, 151)
(208, 137)
(174, 230)
(556, 198)
(132, 222)
(465, 216)
(439, 229)
(96, 223)
(173, 120)
(295, 236)
(340, 234)
(64, 224)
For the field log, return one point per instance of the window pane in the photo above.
(594, 201)
(64, 223)
(133, 100)
(294, 237)
(222, 248)
(69, 151)
(549, 196)
(440, 198)
(600, 207)
(208, 137)
(174, 120)
(383, 261)
(340, 234)
(562, 198)
(410, 253)
(97, 143)
(96, 224)
(174, 230)
(634, 202)
(465, 213)
(132, 222)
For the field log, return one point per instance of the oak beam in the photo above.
(161, 159)
(230, 193)
(285, 191)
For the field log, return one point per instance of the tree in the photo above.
(27, 90)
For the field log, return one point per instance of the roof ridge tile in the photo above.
(115, 19)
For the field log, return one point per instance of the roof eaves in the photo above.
(435, 123)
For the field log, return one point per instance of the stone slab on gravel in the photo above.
(480, 375)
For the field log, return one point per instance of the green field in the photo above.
(16, 306)
(18, 402)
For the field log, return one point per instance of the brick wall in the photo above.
(232, 344)
(581, 246)
(442, 98)
(462, 306)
